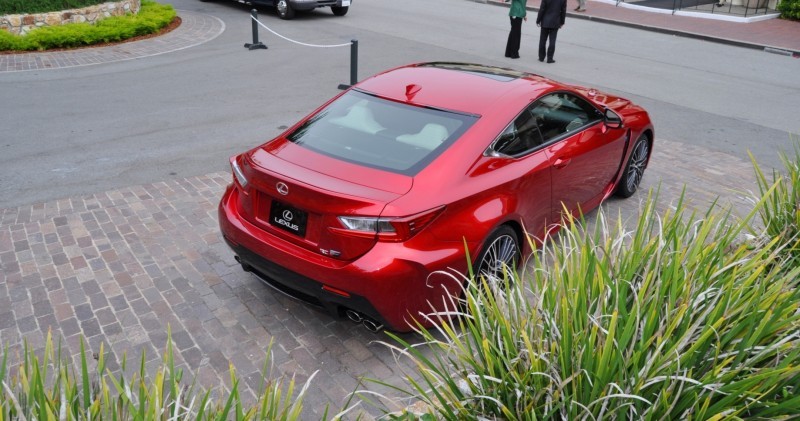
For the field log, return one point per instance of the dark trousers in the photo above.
(551, 49)
(512, 46)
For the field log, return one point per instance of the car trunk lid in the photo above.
(299, 196)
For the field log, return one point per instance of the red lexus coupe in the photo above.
(358, 207)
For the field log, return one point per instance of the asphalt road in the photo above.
(88, 129)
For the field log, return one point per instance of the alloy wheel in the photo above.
(499, 257)
(637, 165)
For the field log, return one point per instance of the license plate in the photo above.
(345, 2)
(288, 218)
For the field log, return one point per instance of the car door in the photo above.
(519, 155)
(585, 154)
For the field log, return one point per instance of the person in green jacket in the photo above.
(517, 14)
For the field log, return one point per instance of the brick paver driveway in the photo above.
(120, 266)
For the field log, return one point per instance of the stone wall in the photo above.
(22, 24)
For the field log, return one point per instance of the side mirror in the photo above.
(611, 119)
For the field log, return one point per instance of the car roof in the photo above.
(463, 87)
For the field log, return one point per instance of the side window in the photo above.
(561, 113)
(583, 111)
(521, 136)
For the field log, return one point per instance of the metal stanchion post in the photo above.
(353, 64)
(256, 45)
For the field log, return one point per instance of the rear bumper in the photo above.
(313, 4)
(393, 283)
(301, 287)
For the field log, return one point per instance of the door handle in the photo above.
(561, 163)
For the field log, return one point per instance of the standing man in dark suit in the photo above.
(551, 17)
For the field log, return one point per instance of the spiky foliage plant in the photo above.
(684, 317)
(779, 205)
(47, 387)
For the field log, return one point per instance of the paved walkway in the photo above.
(774, 34)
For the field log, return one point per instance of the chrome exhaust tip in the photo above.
(372, 325)
(354, 316)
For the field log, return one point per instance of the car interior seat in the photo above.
(574, 124)
(360, 118)
(430, 137)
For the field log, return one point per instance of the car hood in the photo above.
(605, 100)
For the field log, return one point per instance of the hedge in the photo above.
(150, 19)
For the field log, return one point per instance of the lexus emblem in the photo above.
(287, 215)
(282, 188)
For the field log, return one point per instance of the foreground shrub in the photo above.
(48, 388)
(10, 7)
(679, 319)
(150, 19)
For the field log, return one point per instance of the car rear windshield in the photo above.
(374, 132)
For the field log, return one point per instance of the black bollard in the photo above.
(353, 62)
(256, 45)
(353, 65)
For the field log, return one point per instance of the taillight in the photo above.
(387, 229)
(238, 174)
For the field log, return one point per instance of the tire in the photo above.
(285, 10)
(500, 250)
(634, 170)
(339, 10)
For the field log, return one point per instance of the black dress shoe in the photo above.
(551, 61)
(541, 59)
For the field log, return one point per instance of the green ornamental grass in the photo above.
(151, 18)
(780, 205)
(684, 317)
(47, 387)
